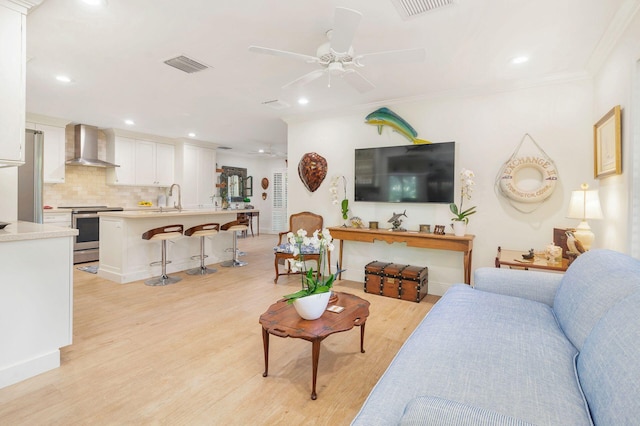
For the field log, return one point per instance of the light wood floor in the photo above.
(191, 354)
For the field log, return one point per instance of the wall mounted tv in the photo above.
(406, 174)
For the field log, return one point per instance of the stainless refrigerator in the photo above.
(30, 178)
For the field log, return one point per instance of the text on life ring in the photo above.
(542, 192)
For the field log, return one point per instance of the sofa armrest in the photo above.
(533, 285)
(431, 410)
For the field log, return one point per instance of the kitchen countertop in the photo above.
(155, 212)
(19, 231)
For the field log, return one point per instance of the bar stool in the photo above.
(243, 219)
(202, 231)
(234, 227)
(163, 233)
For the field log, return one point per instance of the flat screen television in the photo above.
(406, 174)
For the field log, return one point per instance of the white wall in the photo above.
(258, 167)
(487, 129)
(614, 84)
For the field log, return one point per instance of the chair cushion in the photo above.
(305, 249)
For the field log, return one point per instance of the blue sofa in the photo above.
(522, 347)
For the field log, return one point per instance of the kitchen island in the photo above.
(126, 257)
(36, 298)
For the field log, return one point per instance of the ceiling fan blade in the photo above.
(391, 56)
(345, 24)
(307, 78)
(283, 53)
(357, 81)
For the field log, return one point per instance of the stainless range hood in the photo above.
(86, 148)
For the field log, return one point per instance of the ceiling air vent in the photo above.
(413, 8)
(276, 104)
(185, 64)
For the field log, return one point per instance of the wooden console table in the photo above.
(412, 239)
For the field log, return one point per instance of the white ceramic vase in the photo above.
(459, 228)
(312, 307)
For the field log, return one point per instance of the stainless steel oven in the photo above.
(86, 247)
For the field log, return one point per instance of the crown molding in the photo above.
(618, 25)
(21, 6)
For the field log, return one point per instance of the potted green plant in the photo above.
(312, 299)
(461, 218)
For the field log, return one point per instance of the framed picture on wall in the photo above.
(607, 144)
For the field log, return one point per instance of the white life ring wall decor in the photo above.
(507, 179)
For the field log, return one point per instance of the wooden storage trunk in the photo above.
(396, 280)
(373, 277)
(414, 283)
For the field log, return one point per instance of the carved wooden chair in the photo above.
(308, 221)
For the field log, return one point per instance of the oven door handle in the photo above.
(85, 215)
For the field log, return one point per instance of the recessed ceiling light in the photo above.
(519, 60)
(192, 135)
(261, 151)
(303, 101)
(95, 2)
(63, 79)
(129, 122)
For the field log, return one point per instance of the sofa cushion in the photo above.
(609, 366)
(595, 282)
(429, 410)
(517, 282)
(491, 351)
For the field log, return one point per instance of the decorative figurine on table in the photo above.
(356, 222)
(528, 256)
(395, 221)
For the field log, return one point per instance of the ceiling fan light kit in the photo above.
(336, 57)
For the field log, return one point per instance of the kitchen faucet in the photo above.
(179, 205)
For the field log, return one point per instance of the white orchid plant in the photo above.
(344, 204)
(466, 188)
(301, 244)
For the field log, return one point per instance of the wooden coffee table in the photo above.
(282, 320)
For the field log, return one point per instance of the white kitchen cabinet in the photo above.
(198, 183)
(145, 163)
(165, 164)
(154, 163)
(54, 131)
(12, 83)
(54, 153)
(36, 299)
(121, 151)
(142, 162)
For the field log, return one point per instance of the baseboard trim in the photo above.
(28, 368)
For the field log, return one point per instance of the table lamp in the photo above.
(584, 205)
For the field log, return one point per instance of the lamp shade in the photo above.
(584, 205)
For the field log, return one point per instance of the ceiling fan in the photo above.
(336, 57)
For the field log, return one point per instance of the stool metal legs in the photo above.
(163, 279)
(202, 269)
(235, 262)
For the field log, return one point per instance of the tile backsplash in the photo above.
(86, 186)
